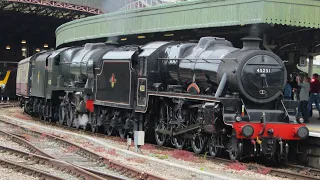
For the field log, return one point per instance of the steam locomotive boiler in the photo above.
(208, 95)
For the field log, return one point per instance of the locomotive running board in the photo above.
(181, 131)
(183, 96)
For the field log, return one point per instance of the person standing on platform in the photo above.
(287, 90)
(314, 93)
(304, 97)
(296, 94)
(3, 89)
(310, 110)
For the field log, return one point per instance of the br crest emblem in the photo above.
(113, 80)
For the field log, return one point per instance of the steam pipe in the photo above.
(281, 147)
(264, 123)
(221, 85)
(265, 45)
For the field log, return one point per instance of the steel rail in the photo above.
(25, 144)
(273, 171)
(58, 164)
(308, 170)
(119, 167)
(27, 170)
(7, 105)
(286, 174)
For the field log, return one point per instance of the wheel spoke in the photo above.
(93, 122)
(197, 143)
(213, 149)
(161, 125)
(179, 142)
(110, 130)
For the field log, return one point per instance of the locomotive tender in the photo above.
(208, 95)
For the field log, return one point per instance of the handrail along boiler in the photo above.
(208, 95)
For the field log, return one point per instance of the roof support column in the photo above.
(310, 66)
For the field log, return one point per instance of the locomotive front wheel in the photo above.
(71, 115)
(77, 124)
(62, 115)
(25, 108)
(94, 127)
(123, 133)
(235, 154)
(110, 130)
(42, 112)
(160, 138)
(179, 142)
(69, 122)
(160, 124)
(87, 127)
(198, 143)
(46, 112)
(213, 149)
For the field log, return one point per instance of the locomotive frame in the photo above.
(179, 92)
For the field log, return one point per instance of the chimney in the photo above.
(251, 43)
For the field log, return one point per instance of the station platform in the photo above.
(314, 125)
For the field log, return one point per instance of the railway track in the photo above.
(40, 166)
(8, 105)
(306, 170)
(292, 171)
(295, 171)
(75, 155)
(41, 156)
(28, 170)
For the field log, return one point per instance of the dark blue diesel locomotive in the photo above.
(208, 95)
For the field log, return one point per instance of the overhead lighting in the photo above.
(45, 45)
(24, 49)
(8, 47)
(37, 50)
(141, 37)
(123, 39)
(23, 41)
(167, 35)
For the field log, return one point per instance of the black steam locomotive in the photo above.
(208, 95)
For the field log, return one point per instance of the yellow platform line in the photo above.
(314, 129)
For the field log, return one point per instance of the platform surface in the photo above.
(314, 125)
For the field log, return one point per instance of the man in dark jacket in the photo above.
(314, 93)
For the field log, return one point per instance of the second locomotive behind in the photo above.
(208, 95)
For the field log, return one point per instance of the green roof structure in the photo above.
(191, 15)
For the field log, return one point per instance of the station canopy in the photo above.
(193, 14)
